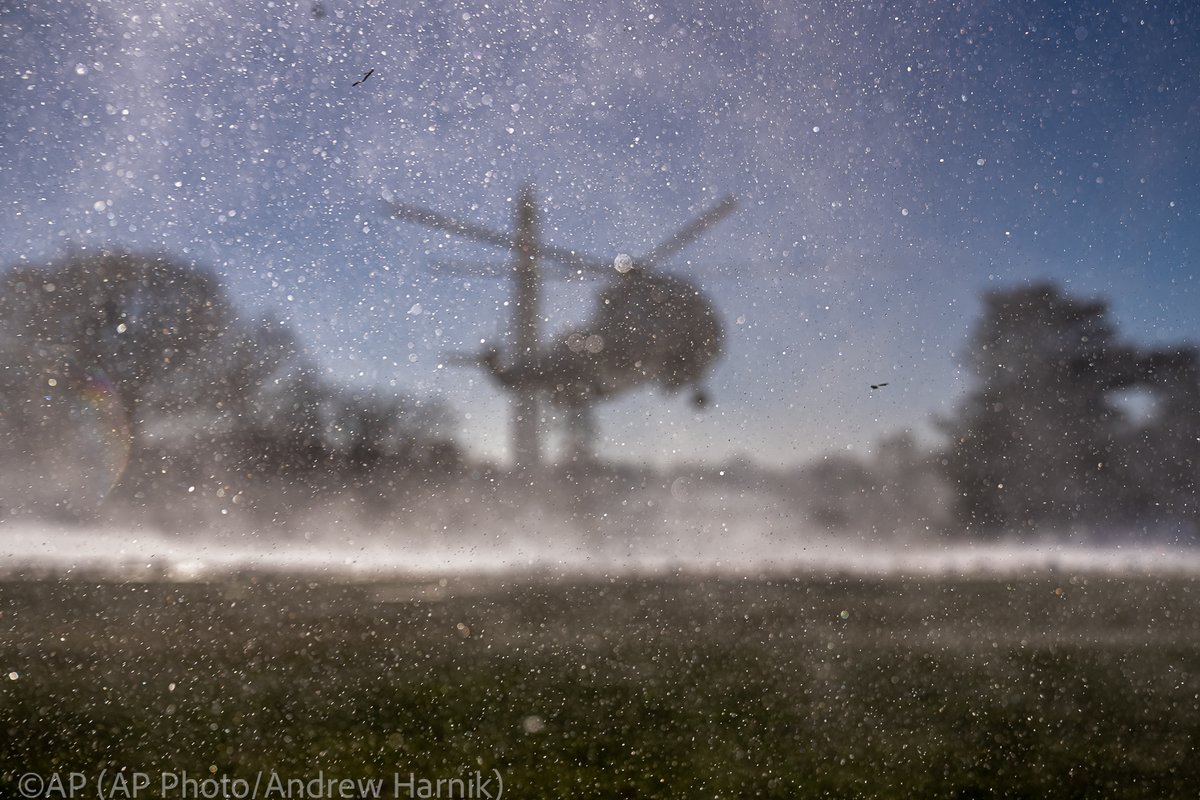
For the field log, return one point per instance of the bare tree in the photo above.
(1039, 442)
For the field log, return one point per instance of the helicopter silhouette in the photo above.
(649, 327)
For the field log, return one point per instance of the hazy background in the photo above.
(891, 165)
(958, 291)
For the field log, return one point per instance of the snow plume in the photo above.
(680, 526)
(511, 548)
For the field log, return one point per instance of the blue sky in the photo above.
(890, 165)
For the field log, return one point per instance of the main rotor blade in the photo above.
(573, 259)
(498, 269)
(461, 359)
(432, 219)
(685, 235)
(441, 222)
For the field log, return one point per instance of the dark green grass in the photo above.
(673, 687)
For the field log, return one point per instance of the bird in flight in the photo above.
(364, 77)
(877, 386)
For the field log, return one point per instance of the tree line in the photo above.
(129, 378)
(1065, 428)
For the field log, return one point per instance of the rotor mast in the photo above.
(526, 442)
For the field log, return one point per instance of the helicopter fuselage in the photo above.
(647, 329)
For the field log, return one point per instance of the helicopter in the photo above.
(648, 327)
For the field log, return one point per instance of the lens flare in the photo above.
(104, 437)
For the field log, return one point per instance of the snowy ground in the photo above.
(522, 546)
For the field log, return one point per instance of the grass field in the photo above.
(1057, 686)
